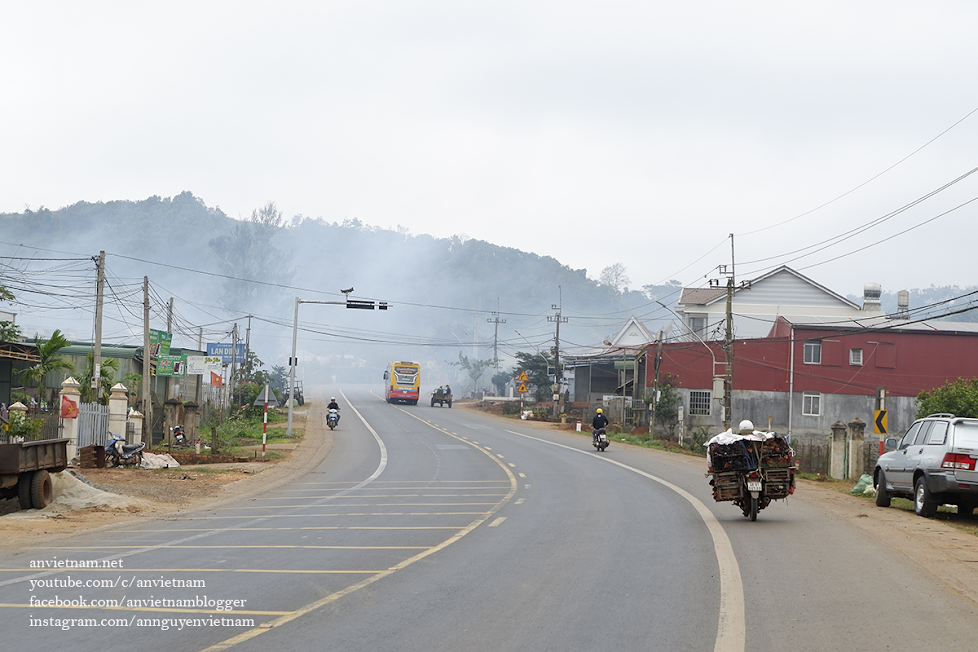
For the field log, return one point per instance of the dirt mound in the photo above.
(72, 494)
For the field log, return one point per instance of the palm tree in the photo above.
(47, 352)
(107, 373)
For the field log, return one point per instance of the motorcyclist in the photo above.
(600, 421)
(333, 405)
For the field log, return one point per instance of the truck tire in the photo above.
(42, 490)
(24, 489)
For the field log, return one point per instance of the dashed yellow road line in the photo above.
(251, 516)
(272, 571)
(307, 527)
(182, 547)
(175, 610)
(312, 606)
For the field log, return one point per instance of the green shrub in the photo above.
(21, 425)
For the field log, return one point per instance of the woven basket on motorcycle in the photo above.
(776, 453)
(726, 485)
(731, 457)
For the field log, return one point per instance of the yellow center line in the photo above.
(358, 505)
(308, 527)
(312, 606)
(249, 547)
(251, 516)
(178, 610)
(222, 570)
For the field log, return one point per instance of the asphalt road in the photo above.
(444, 529)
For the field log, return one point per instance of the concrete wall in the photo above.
(759, 407)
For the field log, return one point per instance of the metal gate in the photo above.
(93, 424)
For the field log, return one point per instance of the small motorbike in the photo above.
(179, 437)
(599, 438)
(332, 418)
(119, 453)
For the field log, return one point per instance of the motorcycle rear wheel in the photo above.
(753, 508)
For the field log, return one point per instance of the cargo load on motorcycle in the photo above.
(750, 468)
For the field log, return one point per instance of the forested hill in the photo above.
(442, 290)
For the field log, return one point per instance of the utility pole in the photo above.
(495, 336)
(655, 381)
(200, 343)
(728, 338)
(147, 369)
(97, 353)
(247, 346)
(169, 316)
(558, 376)
(234, 359)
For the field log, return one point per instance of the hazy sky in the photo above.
(594, 132)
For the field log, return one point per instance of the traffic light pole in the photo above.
(293, 361)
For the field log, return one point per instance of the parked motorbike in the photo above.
(599, 439)
(179, 438)
(119, 453)
(333, 418)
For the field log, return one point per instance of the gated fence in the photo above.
(93, 424)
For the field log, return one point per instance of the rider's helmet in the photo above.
(746, 427)
(332, 398)
(600, 411)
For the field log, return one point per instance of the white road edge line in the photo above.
(731, 625)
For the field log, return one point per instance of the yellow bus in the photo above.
(403, 382)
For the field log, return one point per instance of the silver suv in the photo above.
(933, 465)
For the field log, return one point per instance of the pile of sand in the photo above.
(71, 494)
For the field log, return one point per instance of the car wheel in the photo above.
(923, 501)
(966, 510)
(882, 495)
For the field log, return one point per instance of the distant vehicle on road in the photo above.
(441, 397)
(933, 465)
(403, 383)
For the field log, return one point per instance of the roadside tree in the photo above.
(47, 351)
(959, 398)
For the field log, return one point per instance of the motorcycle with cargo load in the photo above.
(750, 468)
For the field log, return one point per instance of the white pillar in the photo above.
(837, 451)
(118, 404)
(136, 417)
(70, 389)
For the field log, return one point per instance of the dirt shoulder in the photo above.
(948, 554)
(140, 495)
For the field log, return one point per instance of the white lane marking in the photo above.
(380, 469)
(731, 625)
(497, 521)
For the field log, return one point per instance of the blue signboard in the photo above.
(224, 352)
